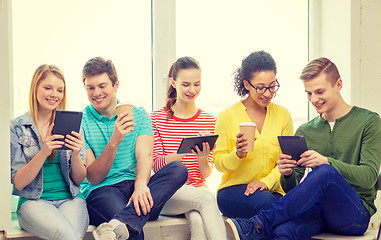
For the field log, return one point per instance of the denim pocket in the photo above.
(30, 146)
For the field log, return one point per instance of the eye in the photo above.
(47, 88)
(320, 92)
(185, 85)
(259, 88)
(90, 88)
(60, 90)
(197, 84)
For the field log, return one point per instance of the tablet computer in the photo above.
(293, 145)
(189, 143)
(65, 122)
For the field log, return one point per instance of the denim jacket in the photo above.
(25, 144)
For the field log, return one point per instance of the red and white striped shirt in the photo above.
(168, 136)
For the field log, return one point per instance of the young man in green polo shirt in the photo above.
(120, 193)
(344, 154)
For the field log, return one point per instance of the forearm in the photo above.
(78, 170)
(143, 169)
(98, 170)
(205, 167)
(28, 173)
(174, 157)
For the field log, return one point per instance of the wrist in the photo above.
(241, 154)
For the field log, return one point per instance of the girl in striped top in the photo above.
(178, 119)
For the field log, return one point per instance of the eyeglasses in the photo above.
(262, 90)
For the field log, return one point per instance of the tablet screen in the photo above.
(65, 122)
(189, 143)
(293, 145)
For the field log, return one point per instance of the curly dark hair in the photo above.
(256, 62)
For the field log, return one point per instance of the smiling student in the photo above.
(251, 179)
(338, 195)
(48, 179)
(178, 119)
(120, 192)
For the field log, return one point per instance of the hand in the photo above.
(286, 164)
(312, 159)
(141, 199)
(123, 125)
(202, 155)
(254, 186)
(241, 145)
(49, 141)
(75, 143)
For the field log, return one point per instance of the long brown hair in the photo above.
(40, 74)
(180, 64)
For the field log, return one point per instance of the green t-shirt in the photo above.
(54, 184)
(352, 147)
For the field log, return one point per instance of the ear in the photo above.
(172, 82)
(247, 85)
(339, 84)
(116, 84)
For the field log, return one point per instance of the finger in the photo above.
(206, 147)
(143, 206)
(147, 205)
(136, 206)
(239, 135)
(150, 199)
(129, 201)
(56, 136)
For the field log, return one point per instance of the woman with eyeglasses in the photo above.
(250, 180)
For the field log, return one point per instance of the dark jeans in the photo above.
(323, 202)
(109, 202)
(233, 202)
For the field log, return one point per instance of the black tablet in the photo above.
(189, 143)
(293, 145)
(65, 122)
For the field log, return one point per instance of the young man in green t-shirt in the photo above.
(332, 187)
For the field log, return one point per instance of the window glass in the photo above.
(68, 33)
(219, 34)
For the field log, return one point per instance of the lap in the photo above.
(233, 202)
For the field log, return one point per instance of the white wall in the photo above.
(5, 100)
(367, 93)
(349, 33)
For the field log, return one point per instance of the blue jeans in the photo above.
(233, 202)
(323, 202)
(109, 202)
(60, 219)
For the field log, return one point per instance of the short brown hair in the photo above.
(319, 66)
(99, 65)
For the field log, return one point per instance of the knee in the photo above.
(195, 220)
(179, 171)
(59, 232)
(326, 170)
(206, 200)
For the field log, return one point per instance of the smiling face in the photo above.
(322, 94)
(50, 92)
(260, 80)
(101, 93)
(187, 84)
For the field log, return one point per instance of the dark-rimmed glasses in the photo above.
(262, 90)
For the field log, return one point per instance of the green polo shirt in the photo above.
(98, 130)
(353, 147)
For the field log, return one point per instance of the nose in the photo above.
(313, 98)
(267, 93)
(97, 91)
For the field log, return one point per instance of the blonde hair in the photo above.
(40, 74)
(319, 66)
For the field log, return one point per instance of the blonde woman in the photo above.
(46, 179)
